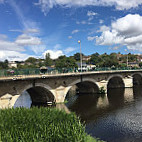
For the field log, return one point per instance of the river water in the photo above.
(114, 117)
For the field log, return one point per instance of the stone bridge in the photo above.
(26, 90)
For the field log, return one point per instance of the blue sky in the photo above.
(36, 27)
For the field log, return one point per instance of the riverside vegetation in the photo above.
(41, 125)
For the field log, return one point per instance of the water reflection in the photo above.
(116, 97)
(115, 117)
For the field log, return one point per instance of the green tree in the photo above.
(65, 62)
(77, 56)
(4, 65)
(31, 60)
(140, 64)
(48, 60)
(132, 58)
(108, 60)
(95, 59)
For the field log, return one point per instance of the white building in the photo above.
(12, 64)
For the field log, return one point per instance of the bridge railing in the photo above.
(37, 71)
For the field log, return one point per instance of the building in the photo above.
(12, 64)
(133, 64)
(86, 58)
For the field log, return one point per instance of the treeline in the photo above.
(99, 60)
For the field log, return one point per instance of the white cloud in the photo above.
(31, 30)
(124, 31)
(115, 48)
(130, 25)
(69, 37)
(12, 55)
(25, 39)
(3, 37)
(22, 40)
(134, 40)
(46, 5)
(101, 21)
(26, 31)
(37, 49)
(91, 15)
(75, 31)
(103, 28)
(28, 25)
(69, 50)
(82, 22)
(109, 38)
(16, 30)
(77, 22)
(91, 38)
(11, 46)
(54, 54)
(1, 1)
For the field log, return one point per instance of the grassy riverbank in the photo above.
(41, 125)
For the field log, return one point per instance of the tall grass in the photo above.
(40, 125)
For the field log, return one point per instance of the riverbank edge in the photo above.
(92, 139)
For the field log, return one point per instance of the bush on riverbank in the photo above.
(40, 125)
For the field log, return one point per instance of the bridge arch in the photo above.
(115, 81)
(39, 94)
(137, 79)
(86, 85)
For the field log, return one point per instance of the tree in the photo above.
(77, 56)
(65, 62)
(48, 60)
(140, 64)
(31, 60)
(95, 59)
(108, 60)
(4, 65)
(132, 58)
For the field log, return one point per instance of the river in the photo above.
(114, 117)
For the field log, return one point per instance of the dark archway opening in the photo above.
(41, 96)
(137, 80)
(81, 89)
(87, 87)
(115, 82)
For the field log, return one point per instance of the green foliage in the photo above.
(104, 60)
(91, 139)
(132, 58)
(40, 125)
(95, 59)
(31, 60)
(77, 56)
(48, 60)
(65, 62)
(122, 65)
(140, 64)
(4, 65)
(102, 90)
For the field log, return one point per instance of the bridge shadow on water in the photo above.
(94, 106)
